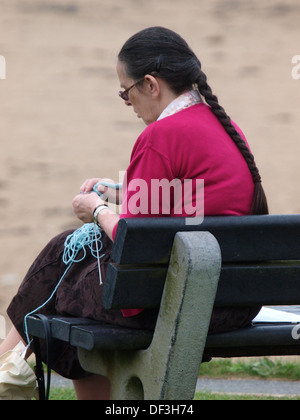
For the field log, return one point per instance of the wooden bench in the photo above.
(187, 270)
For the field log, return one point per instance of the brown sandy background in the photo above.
(61, 120)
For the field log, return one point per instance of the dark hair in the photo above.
(163, 53)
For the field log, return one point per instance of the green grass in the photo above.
(62, 394)
(263, 368)
(65, 394)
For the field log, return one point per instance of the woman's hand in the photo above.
(110, 194)
(86, 202)
(84, 206)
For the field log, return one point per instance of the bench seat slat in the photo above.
(252, 351)
(110, 337)
(259, 340)
(261, 335)
(61, 326)
(35, 327)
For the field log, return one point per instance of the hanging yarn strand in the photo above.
(98, 256)
(88, 236)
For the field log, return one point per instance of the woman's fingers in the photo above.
(88, 184)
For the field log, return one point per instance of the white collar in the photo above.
(183, 101)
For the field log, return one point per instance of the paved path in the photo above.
(246, 386)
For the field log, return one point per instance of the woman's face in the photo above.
(139, 97)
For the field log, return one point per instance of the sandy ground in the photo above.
(61, 120)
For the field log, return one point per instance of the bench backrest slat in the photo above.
(131, 288)
(241, 238)
(240, 285)
(267, 284)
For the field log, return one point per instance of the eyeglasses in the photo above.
(125, 93)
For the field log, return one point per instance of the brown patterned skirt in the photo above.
(80, 295)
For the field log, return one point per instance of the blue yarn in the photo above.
(89, 235)
(105, 184)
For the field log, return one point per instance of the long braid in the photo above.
(259, 205)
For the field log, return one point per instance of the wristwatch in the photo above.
(97, 211)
